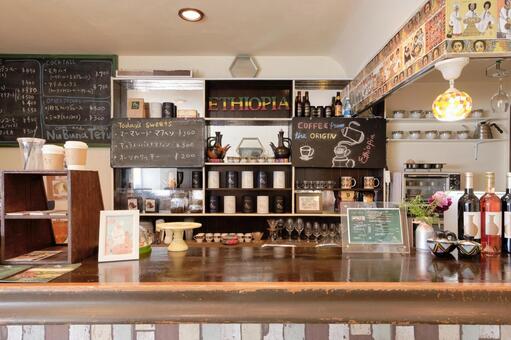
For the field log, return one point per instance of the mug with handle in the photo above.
(348, 182)
(371, 182)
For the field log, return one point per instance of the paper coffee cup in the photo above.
(76, 155)
(53, 157)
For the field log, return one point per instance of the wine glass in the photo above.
(316, 231)
(308, 231)
(299, 226)
(332, 231)
(324, 231)
(272, 223)
(289, 227)
(500, 101)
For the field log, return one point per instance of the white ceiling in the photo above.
(349, 31)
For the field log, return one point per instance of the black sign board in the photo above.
(157, 143)
(57, 98)
(339, 142)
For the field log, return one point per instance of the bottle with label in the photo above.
(338, 105)
(469, 214)
(298, 105)
(491, 218)
(306, 105)
(333, 105)
(506, 217)
(347, 108)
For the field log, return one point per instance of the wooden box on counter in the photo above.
(24, 191)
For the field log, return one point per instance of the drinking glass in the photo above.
(308, 231)
(307, 185)
(316, 231)
(324, 231)
(339, 231)
(299, 226)
(298, 184)
(272, 223)
(289, 227)
(332, 231)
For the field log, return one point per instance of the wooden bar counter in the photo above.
(254, 284)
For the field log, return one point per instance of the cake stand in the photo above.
(178, 228)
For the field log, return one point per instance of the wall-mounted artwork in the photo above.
(471, 19)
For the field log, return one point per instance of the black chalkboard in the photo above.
(57, 98)
(157, 143)
(339, 143)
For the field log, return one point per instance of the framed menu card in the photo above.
(376, 230)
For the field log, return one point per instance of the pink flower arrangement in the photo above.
(439, 202)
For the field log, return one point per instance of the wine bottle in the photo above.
(338, 105)
(506, 217)
(491, 218)
(298, 105)
(469, 214)
(333, 105)
(306, 105)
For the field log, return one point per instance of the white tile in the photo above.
(230, 331)
(33, 332)
(294, 331)
(361, 329)
(190, 331)
(338, 332)
(469, 332)
(101, 332)
(251, 331)
(275, 332)
(14, 333)
(145, 335)
(405, 333)
(449, 332)
(505, 332)
(122, 332)
(79, 332)
(145, 327)
(211, 331)
(382, 332)
(489, 332)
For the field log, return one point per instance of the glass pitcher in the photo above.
(31, 151)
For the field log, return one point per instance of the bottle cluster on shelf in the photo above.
(488, 219)
(337, 108)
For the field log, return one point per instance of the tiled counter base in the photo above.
(254, 332)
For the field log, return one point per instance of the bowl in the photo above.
(257, 236)
(468, 248)
(416, 114)
(398, 114)
(441, 247)
(416, 134)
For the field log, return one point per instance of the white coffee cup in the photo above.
(229, 204)
(76, 155)
(155, 110)
(247, 237)
(240, 237)
(217, 237)
(209, 237)
(247, 179)
(263, 204)
(199, 237)
(53, 157)
(279, 179)
(213, 179)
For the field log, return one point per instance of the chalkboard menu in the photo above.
(57, 98)
(157, 143)
(339, 142)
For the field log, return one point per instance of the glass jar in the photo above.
(178, 202)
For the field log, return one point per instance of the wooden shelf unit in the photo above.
(25, 191)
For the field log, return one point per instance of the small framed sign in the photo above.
(376, 230)
(118, 235)
(309, 203)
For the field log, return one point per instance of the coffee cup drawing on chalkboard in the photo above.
(306, 153)
(352, 136)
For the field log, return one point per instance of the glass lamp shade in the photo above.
(500, 101)
(452, 105)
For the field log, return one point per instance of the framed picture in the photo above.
(150, 205)
(136, 108)
(133, 203)
(309, 203)
(118, 235)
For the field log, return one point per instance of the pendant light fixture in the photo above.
(452, 105)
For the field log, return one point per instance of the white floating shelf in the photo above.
(248, 164)
(424, 140)
(245, 119)
(434, 121)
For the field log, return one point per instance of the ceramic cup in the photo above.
(371, 182)
(247, 179)
(53, 157)
(263, 204)
(416, 114)
(445, 134)
(397, 134)
(279, 179)
(155, 110)
(415, 134)
(431, 134)
(199, 238)
(209, 237)
(213, 179)
(348, 182)
(398, 114)
(229, 204)
(247, 237)
(217, 237)
(76, 155)
(240, 237)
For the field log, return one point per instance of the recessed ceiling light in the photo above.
(191, 14)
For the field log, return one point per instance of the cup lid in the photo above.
(30, 140)
(75, 144)
(50, 148)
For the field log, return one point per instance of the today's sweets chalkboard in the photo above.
(57, 98)
(157, 143)
(339, 142)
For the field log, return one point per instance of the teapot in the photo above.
(215, 150)
(282, 151)
(484, 131)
